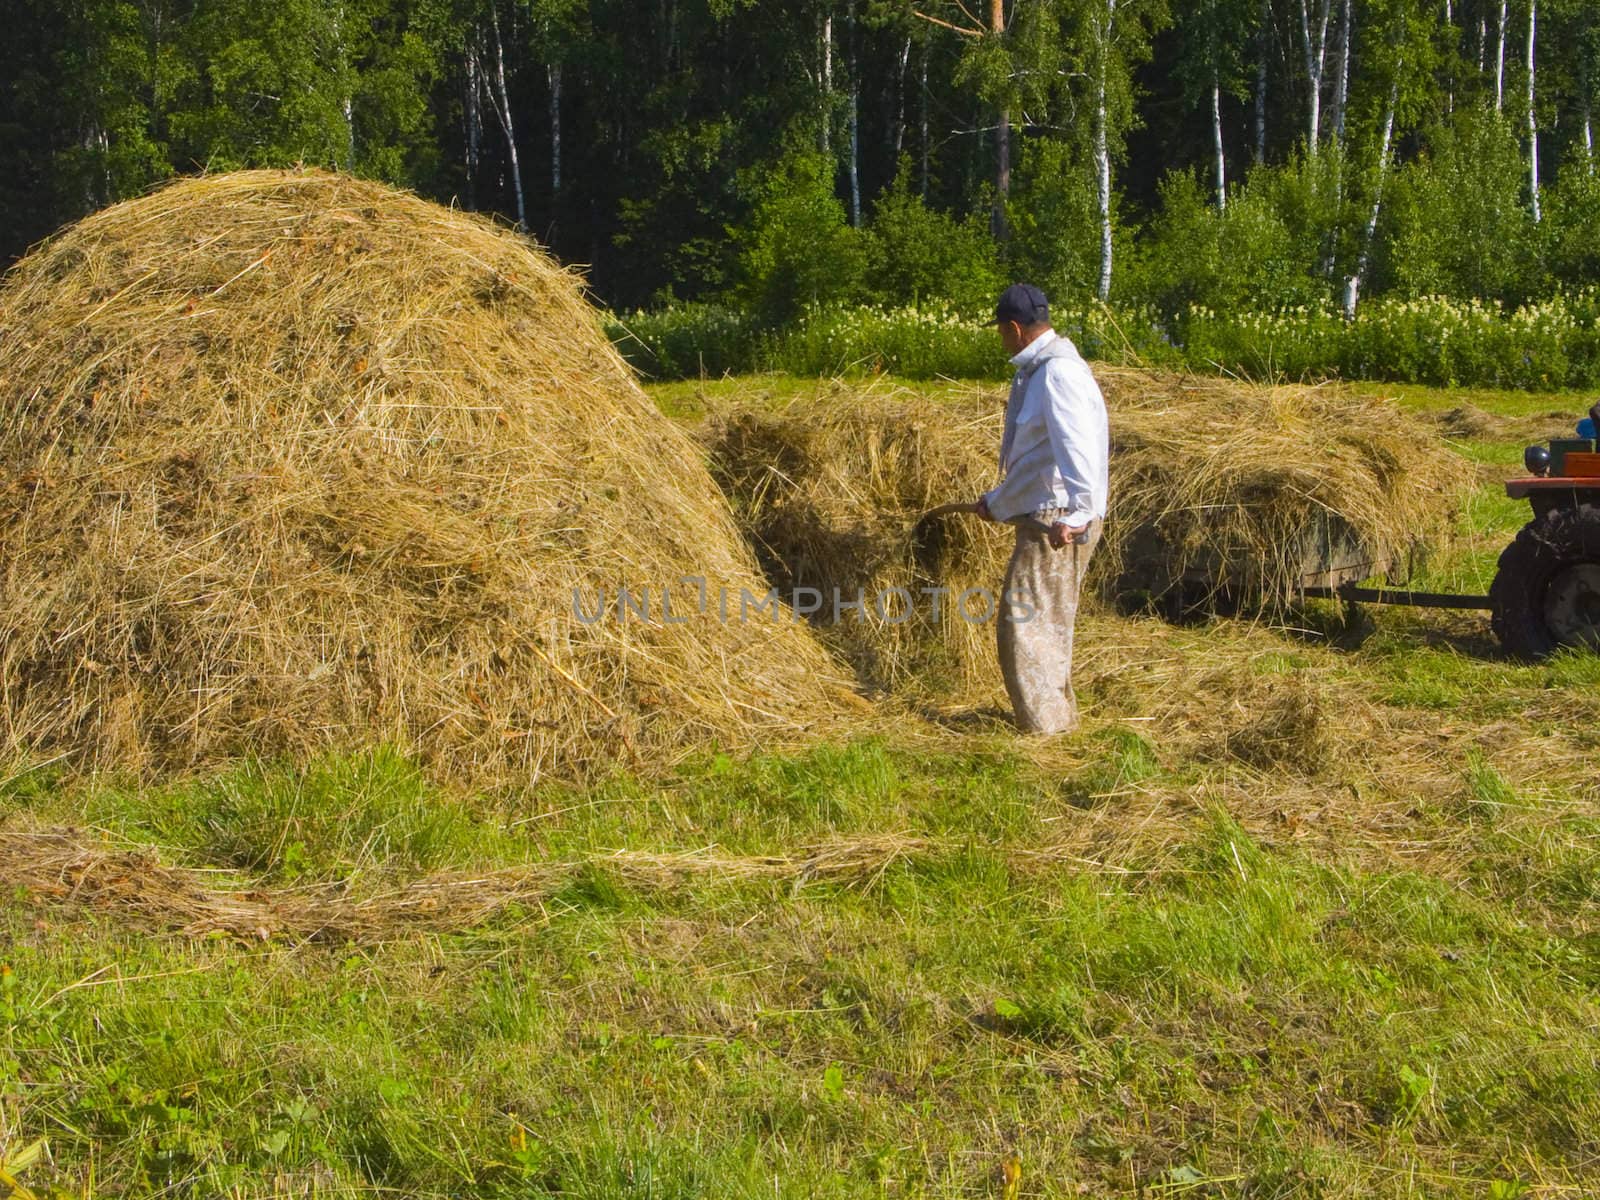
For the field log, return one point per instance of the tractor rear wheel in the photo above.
(1546, 594)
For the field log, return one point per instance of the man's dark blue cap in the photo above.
(1024, 304)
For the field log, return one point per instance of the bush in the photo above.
(1054, 219)
(920, 255)
(912, 343)
(1432, 340)
(1249, 256)
(798, 250)
(1457, 222)
(1572, 218)
(688, 341)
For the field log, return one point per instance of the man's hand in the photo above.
(983, 509)
(1061, 533)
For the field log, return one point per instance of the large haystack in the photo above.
(293, 461)
(1215, 486)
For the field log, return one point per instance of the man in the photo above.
(1054, 480)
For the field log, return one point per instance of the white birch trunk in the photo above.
(91, 145)
(1315, 47)
(855, 122)
(1216, 141)
(502, 108)
(1450, 83)
(346, 101)
(922, 113)
(1500, 61)
(1002, 167)
(1533, 115)
(855, 157)
(1265, 16)
(1353, 285)
(1341, 88)
(472, 114)
(827, 84)
(900, 100)
(1586, 123)
(1102, 151)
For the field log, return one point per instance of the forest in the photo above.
(1299, 162)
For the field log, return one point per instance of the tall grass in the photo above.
(1434, 340)
(691, 341)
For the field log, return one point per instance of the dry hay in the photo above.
(1468, 421)
(830, 490)
(1261, 491)
(293, 461)
(1235, 487)
(1287, 729)
(69, 870)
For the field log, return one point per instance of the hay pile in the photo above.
(1252, 490)
(1216, 487)
(292, 461)
(830, 490)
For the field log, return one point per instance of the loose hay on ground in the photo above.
(292, 461)
(61, 869)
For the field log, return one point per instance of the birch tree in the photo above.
(500, 94)
(555, 27)
(1120, 33)
(1341, 83)
(1401, 53)
(1533, 114)
(1214, 34)
(987, 66)
(1500, 57)
(1314, 15)
(1263, 45)
(1587, 49)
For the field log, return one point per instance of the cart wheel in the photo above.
(1547, 592)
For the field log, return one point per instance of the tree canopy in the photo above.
(1215, 151)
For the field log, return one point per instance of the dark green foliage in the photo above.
(1573, 247)
(1460, 225)
(1052, 214)
(920, 254)
(769, 159)
(797, 250)
(1259, 252)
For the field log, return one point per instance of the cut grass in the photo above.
(1171, 955)
(1247, 1013)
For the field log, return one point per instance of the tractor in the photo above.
(1546, 593)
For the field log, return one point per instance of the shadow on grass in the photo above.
(989, 718)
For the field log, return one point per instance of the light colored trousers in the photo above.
(1036, 653)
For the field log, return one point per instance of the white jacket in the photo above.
(1055, 455)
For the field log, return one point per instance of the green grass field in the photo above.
(1301, 912)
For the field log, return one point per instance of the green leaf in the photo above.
(833, 1083)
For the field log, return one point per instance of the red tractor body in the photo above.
(1546, 593)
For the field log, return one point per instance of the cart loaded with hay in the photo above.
(1226, 497)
